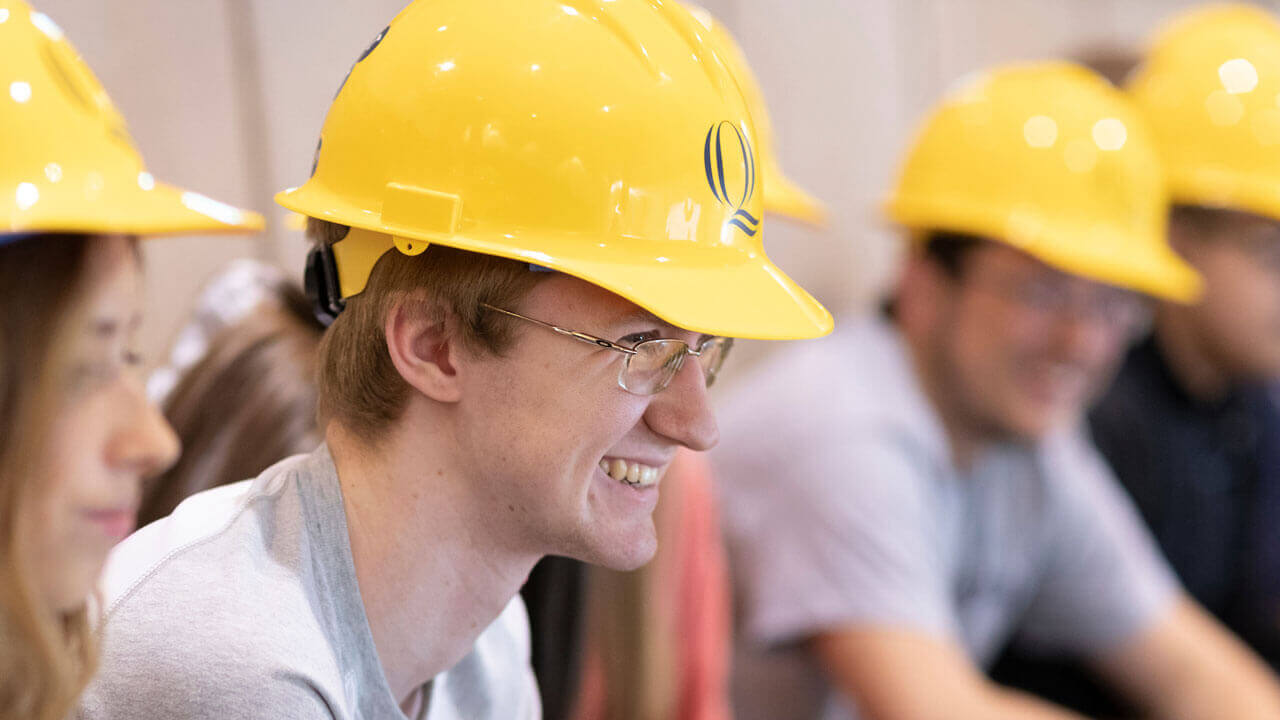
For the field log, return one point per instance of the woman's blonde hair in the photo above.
(46, 657)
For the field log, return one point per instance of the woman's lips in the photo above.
(115, 524)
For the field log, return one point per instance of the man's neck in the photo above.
(433, 569)
(965, 443)
(1188, 362)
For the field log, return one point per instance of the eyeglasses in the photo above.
(1115, 308)
(651, 364)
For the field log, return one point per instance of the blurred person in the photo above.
(654, 643)
(240, 389)
(906, 498)
(523, 332)
(1189, 425)
(78, 433)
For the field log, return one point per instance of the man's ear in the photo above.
(424, 348)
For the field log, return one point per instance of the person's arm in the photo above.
(908, 675)
(1189, 667)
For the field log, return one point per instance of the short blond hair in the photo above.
(357, 383)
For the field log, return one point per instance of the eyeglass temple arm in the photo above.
(580, 336)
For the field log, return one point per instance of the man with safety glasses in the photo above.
(532, 278)
(932, 501)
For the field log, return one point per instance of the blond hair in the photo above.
(357, 383)
(46, 657)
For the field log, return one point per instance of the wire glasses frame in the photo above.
(650, 365)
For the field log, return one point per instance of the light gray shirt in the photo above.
(842, 507)
(244, 604)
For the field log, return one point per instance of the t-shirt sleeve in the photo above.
(831, 528)
(155, 662)
(1104, 580)
(132, 688)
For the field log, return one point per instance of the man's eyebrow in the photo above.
(642, 315)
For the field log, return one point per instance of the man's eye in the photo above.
(636, 338)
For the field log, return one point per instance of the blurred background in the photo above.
(228, 96)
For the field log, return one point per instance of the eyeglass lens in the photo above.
(656, 362)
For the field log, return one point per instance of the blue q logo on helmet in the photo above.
(729, 152)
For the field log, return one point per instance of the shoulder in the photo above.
(1084, 492)
(864, 354)
(173, 548)
(215, 594)
(205, 690)
(849, 402)
(1074, 466)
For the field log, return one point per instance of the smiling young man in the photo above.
(924, 497)
(533, 277)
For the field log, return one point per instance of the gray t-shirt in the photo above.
(244, 604)
(842, 507)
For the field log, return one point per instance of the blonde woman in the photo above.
(77, 434)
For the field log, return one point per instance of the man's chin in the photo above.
(1033, 422)
(624, 554)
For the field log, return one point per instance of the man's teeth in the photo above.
(633, 474)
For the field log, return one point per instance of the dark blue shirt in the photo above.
(1204, 475)
(1206, 478)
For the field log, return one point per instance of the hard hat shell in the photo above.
(782, 195)
(606, 140)
(1049, 158)
(1209, 88)
(69, 164)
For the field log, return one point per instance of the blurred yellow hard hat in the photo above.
(604, 140)
(781, 194)
(68, 163)
(1052, 159)
(1209, 88)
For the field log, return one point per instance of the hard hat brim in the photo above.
(721, 291)
(752, 299)
(1225, 189)
(1149, 266)
(128, 208)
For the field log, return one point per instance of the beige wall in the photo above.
(228, 97)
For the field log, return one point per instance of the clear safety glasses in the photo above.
(650, 365)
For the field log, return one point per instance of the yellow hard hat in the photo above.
(781, 194)
(1052, 159)
(603, 140)
(68, 163)
(1210, 90)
